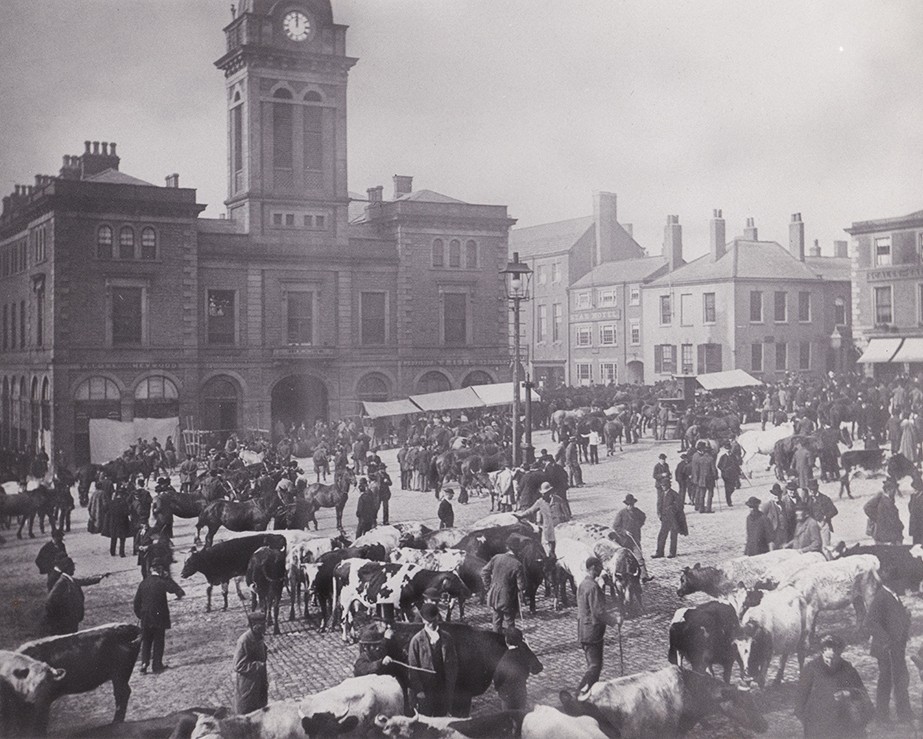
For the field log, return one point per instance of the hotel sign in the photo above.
(614, 314)
(894, 273)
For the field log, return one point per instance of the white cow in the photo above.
(494, 520)
(30, 679)
(443, 560)
(755, 441)
(588, 533)
(388, 536)
(300, 552)
(778, 625)
(277, 720)
(545, 722)
(572, 556)
(445, 538)
(409, 727)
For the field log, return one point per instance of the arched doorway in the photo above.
(220, 401)
(156, 397)
(478, 377)
(95, 397)
(374, 388)
(433, 382)
(297, 399)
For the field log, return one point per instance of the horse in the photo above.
(612, 432)
(560, 418)
(333, 496)
(251, 515)
(899, 467)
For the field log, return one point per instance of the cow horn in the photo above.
(58, 673)
(381, 720)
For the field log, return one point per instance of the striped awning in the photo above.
(880, 351)
(380, 409)
(449, 400)
(911, 351)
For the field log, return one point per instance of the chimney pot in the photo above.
(172, 180)
(673, 243)
(403, 185)
(96, 147)
(112, 148)
(375, 194)
(796, 237)
(750, 232)
(105, 146)
(717, 240)
(87, 145)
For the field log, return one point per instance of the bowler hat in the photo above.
(662, 456)
(776, 489)
(791, 485)
(629, 499)
(256, 618)
(429, 612)
(163, 480)
(545, 488)
(513, 635)
(432, 593)
(753, 501)
(514, 542)
(371, 634)
(593, 562)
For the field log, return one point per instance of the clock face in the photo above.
(297, 25)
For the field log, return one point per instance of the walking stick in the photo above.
(621, 651)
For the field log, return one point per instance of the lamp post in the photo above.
(836, 343)
(516, 279)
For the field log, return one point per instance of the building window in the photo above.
(127, 315)
(438, 253)
(686, 365)
(290, 220)
(780, 312)
(839, 312)
(433, 382)
(804, 307)
(883, 251)
(221, 317)
(606, 298)
(237, 138)
(277, 219)
(454, 254)
(708, 307)
(40, 316)
(455, 319)
(300, 317)
(756, 357)
(313, 138)
(583, 300)
(781, 356)
(320, 222)
(756, 306)
(104, 242)
(608, 335)
(584, 373)
(634, 295)
(22, 324)
(471, 255)
(156, 397)
(542, 274)
(148, 243)
(282, 131)
(555, 272)
(126, 243)
(374, 317)
(557, 317)
(685, 309)
(38, 244)
(608, 373)
(920, 247)
(12, 325)
(634, 329)
(883, 312)
(6, 335)
(542, 324)
(664, 359)
(709, 358)
(584, 336)
(666, 310)
(804, 355)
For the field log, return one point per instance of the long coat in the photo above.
(759, 533)
(703, 472)
(670, 511)
(888, 623)
(822, 714)
(250, 670)
(439, 688)
(915, 526)
(150, 603)
(120, 516)
(885, 524)
(504, 577)
(64, 606)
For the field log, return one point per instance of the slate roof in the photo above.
(114, 177)
(622, 271)
(831, 268)
(429, 196)
(549, 238)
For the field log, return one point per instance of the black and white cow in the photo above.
(704, 636)
(24, 683)
(901, 565)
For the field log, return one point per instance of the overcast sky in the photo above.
(761, 109)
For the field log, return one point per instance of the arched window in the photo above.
(95, 397)
(97, 388)
(478, 377)
(282, 151)
(373, 387)
(438, 253)
(104, 242)
(311, 96)
(156, 397)
(455, 253)
(219, 404)
(471, 255)
(127, 243)
(46, 405)
(148, 243)
(433, 382)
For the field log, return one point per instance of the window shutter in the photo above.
(702, 358)
(658, 359)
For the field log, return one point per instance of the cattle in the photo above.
(495, 519)
(444, 538)
(24, 683)
(89, 658)
(222, 562)
(776, 623)
(299, 553)
(388, 536)
(840, 583)
(624, 572)
(545, 722)
(571, 568)
(587, 533)
(28, 504)
(176, 725)
(663, 703)
(319, 577)
(266, 578)
(901, 566)
(413, 534)
(351, 706)
(277, 720)
(492, 725)
(704, 636)
(440, 561)
(720, 580)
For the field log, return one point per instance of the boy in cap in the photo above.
(661, 472)
(592, 619)
(759, 529)
(250, 666)
(446, 512)
(432, 652)
(513, 670)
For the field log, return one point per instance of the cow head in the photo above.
(404, 727)
(736, 702)
(30, 679)
(340, 541)
(326, 723)
(191, 565)
(451, 584)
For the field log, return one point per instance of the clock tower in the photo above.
(286, 73)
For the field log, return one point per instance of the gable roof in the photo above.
(831, 268)
(745, 260)
(114, 177)
(429, 196)
(549, 238)
(622, 271)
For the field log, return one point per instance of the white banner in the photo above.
(108, 439)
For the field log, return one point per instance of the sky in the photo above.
(678, 106)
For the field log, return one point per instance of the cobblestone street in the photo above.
(200, 646)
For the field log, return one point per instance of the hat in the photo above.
(813, 484)
(593, 562)
(802, 508)
(57, 533)
(791, 485)
(513, 635)
(448, 491)
(163, 480)
(256, 618)
(545, 488)
(371, 634)
(432, 593)
(662, 456)
(889, 484)
(430, 612)
(514, 542)
(776, 489)
(832, 640)
(753, 501)
(629, 499)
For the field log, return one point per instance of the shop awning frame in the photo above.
(880, 350)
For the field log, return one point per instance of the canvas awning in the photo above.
(911, 351)
(880, 351)
(501, 393)
(449, 400)
(380, 409)
(727, 380)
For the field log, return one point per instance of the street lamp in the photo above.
(516, 281)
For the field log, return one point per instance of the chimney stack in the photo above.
(750, 232)
(70, 169)
(796, 237)
(172, 180)
(841, 249)
(605, 215)
(403, 185)
(673, 243)
(375, 194)
(815, 249)
(96, 159)
(717, 239)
